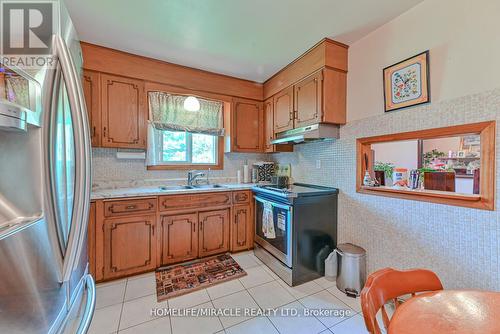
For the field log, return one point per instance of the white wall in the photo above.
(461, 245)
(463, 37)
(403, 154)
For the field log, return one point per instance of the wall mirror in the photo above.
(453, 165)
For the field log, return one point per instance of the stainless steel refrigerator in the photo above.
(45, 193)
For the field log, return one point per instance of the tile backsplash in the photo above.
(110, 172)
(462, 245)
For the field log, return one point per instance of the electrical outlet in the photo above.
(318, 164)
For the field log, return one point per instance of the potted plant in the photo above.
(383, 171)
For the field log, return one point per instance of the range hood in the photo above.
(308, 133)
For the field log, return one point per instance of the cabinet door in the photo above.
(91, 235)
(283, 110)
(129, 246)
(308, 98)
(214, 232)
(248, 126)
(269, 125)
(179, 238)
(242, 228)
(92, 95)
(123, 112)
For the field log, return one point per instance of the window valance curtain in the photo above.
(167, 113)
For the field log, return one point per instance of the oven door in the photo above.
(281, 244)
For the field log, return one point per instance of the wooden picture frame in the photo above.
(406, 83)
(484, 200)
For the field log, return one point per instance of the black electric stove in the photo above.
(304, 219)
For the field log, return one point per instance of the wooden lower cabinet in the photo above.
(179, 238)
(135, 235)
(129, 246)
(242, 228)
(214, 232)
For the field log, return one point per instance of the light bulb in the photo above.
(191, 103)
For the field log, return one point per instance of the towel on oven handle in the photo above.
(268, 221)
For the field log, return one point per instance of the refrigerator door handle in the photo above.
(89, 308)
(82, 157)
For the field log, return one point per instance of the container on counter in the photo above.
(400, 177)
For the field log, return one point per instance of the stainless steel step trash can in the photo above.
(351, 276)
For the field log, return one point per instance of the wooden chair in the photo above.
(389, 284)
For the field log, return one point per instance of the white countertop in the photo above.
(156, 191)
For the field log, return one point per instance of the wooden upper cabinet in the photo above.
(129, 245)
(179, 238)
(283, 110)
(247, 129)
(123, 111)
(214, 232)
(269, 125)
(242, 228)
(91, 91)
(308, 100)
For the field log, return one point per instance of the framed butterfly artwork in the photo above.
(406, 83)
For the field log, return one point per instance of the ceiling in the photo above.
(246, 39)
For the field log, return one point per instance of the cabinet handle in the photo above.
(153, 229)
(194, 227)
(104, 132)
(93, 131)
(201, 226)
(130, 207)
(291, 116)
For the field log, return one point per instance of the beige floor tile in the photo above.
(324, 283)
(196, 324)
(245, 260)
(239, 300)
(189, 300)
(297, 324)
(353, 325)
(108, 295)
(139, 310)
(157, 326)
(270, 295)
(255, 276)
(354, 303)
(324, 300)
(302, 290)
(106, 320)
(260, 325)
(140, 287)
(224, 289)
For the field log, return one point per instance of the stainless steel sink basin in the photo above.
(207, 186)
(167, 188)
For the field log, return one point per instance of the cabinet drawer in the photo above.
(134, 206)
(191, 201)
(240, 197)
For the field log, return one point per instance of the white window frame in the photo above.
(189, 151)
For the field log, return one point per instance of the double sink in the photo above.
(198, 186)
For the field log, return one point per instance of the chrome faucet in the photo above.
(193, 176)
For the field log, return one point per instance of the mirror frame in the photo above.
(485, 200)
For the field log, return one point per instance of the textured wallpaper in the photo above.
(110, 172)
(462, 245)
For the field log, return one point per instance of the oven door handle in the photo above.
(274, 204)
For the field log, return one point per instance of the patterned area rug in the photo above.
(180, 279)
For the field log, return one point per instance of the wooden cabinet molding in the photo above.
(283, 110)
(308, 100)
(106, 60)
(214, 232)
(247, 126)
(179, 238)
(91, 91)
(124, 115)
(161, 230)
(325, 54)
(129, 246)
(242, 228)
